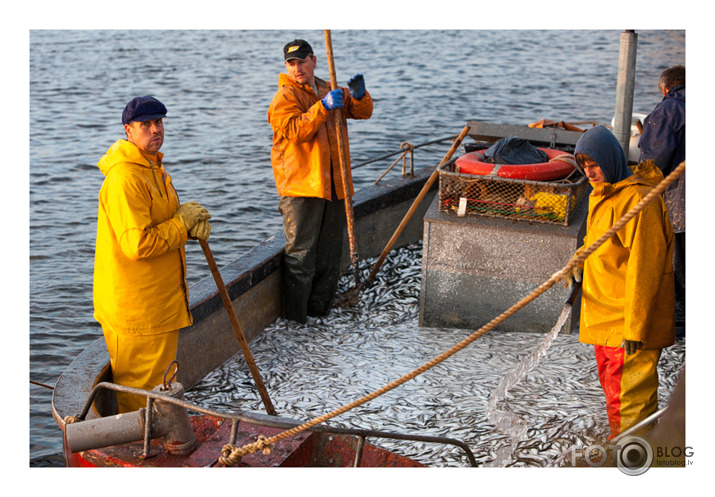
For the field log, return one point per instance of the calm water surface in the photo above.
(217, 86)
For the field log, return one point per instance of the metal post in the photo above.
(358, 451)
(624, 89)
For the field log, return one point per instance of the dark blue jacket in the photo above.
(663, 136)
(663, 141)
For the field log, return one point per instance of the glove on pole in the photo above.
(333, 100)
(202, 230)
(192, 213)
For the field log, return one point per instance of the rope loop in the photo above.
(232, 455)
(263, 443)
(567, 158)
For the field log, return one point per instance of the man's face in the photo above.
(593, 171)
(302, 70)
(148, 136)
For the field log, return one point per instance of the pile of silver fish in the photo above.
(312, 369)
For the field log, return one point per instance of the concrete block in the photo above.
(475, 267)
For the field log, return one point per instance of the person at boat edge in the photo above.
(140, 292)
(627, 304)
(306, 168)
(663, 141)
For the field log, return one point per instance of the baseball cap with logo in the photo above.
(297, 49)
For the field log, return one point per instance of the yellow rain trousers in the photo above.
(630, 383)
(628, 293)
(139, 361)
(140, 290)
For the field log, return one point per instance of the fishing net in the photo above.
(551, 201)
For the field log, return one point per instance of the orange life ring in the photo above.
(559, 165)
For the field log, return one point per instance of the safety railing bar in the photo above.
(358, 452)
(147, 427)
(390, 154)
(272, 422)
(391, 166)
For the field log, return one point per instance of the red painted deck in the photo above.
(305, 449)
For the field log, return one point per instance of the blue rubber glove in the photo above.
(333, 100)
(356, 85)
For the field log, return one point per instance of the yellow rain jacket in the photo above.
(628, 289)
(139, 266)
(305, 139)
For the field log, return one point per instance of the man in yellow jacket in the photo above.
(627, 309)
(140, 292)
(306, 167)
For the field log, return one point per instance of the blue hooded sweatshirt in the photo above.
(602, 146)
(663, 137)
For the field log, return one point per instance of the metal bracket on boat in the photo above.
(162, 418)
(552, 143)
(408, 147)
(405, 148)
(166, 385)
(361, 434)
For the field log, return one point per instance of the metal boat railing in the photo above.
(405, 148)
(264, 420)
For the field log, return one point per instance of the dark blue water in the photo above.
(217, 86)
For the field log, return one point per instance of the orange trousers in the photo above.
(139, 361)
(630, 383)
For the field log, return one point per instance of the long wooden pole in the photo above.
(237, 330)
(344, 166)
(415, 204)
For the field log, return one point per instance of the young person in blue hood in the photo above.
(627, 309)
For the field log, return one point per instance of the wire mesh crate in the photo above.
(550, 202)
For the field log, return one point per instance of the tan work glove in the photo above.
(574, 276)
(192, 213)
(202, 230)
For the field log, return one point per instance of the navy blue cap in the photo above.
(143, 109)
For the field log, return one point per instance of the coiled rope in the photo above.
(232, 455)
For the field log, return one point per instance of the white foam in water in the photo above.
(508, 422)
